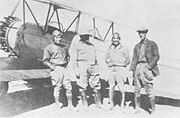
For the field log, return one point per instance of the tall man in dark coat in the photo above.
(144, 68)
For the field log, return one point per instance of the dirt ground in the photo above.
(162, 111)
(38, 102)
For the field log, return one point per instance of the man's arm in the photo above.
(46, 58)
(67, 55)
(134, 60)
(73, 56)
(127, 57)
(155, 54)
(108, 59)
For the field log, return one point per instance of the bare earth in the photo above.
(162, 111)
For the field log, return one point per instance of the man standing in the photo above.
(117, 58)
(144, 67)
(85, 65)
(56, 57)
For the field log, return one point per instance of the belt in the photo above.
(117, 66)
(142, 62)
(62, 65)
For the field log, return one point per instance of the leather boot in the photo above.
(137, 103)
(111, 98)
(122, 100)
(84, 99)
(97, 98)
(57, 102)
(56, 94)
(69, 99)
(152, 101)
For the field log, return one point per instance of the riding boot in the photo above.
(84, 99)
(122, 100)
(137, 103)
(57, 102)
(97, 98)
(69, 99)
(111, 98)
(152, 101)
(57, 96)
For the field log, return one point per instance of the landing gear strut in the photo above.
(3, 88)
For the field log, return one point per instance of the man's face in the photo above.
(142, 35)
(57, 37)
(115, 40)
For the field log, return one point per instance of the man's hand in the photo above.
(149, 67)
(77, 74)
(52, 67)
(131, 73)
(130, 77)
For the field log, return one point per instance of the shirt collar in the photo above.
(116, 47)
(143, 42)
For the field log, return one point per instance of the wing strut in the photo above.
(77, 23)
(58, 19)
(24, 13)
(15, 8)
(111, 26)
(32, 14)
(45, 27)
(77, 17)
(51, 16)
(94, 23)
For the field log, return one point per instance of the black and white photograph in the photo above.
(90, 58)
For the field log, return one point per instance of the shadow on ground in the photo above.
(22, 101)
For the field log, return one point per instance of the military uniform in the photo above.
(86, 65)
(117, 58)
(84, 61)
(58, 56)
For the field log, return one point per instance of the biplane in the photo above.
(24, 41)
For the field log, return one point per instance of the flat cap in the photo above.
(142, 29)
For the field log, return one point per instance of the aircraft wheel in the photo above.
(3, 88)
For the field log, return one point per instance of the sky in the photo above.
(161, 17)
